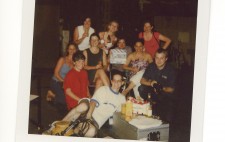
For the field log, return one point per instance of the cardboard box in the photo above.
(124, 130)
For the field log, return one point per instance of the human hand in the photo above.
(85, 35)
(99, 66)
(153, 82)
(157, 87)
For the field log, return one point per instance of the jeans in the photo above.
(57, 89)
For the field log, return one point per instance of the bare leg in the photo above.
(102, 75)
(50, 95)
(91, 132)
(75, 112)
(127, 90)
(101, 79)
(98, 83)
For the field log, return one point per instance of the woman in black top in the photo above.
(96, 63)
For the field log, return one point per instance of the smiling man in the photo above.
(76, 82)
(159, 81)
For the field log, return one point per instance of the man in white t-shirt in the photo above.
(101, 107)
(82, 34)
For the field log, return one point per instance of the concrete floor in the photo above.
(179, 128)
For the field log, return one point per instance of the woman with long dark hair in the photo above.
(63, 66)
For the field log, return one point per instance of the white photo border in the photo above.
(25, 71)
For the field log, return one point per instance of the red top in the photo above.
(152, 45)
(78, 83)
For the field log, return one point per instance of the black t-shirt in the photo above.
(166, 76)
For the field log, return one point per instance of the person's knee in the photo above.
(82, 107)
(100, 72)
(92, 131)
(98, 82)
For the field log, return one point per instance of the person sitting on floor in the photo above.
(138, 60)
(105, 101)
(63, 66)
(76, 82)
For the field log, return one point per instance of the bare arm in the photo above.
(151, 82)
(168, 89)
(166, 40)
(76, 36)
(71, 94)
(91, 109)
(147, 82)
(57, 69)
(86, 61)
(88, 93)
(149, 57)
(101, 35)
(104, 61)
(126, 65)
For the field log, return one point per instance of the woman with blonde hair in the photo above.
(108, 38)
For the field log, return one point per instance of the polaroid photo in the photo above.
(48, 26)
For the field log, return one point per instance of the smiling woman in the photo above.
(96, 63)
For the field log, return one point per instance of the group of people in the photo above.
(86, 64)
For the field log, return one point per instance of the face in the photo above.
(160, 60)
(138, 47)
(94, 41)
(121, 44)
(113, 27)
(71, 49)
(116, 82)
(148, 27)
(79, 65)
(87, 23)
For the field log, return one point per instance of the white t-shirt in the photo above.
(107, 103)
(85, 43)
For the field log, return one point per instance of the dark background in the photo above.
(169, 16)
